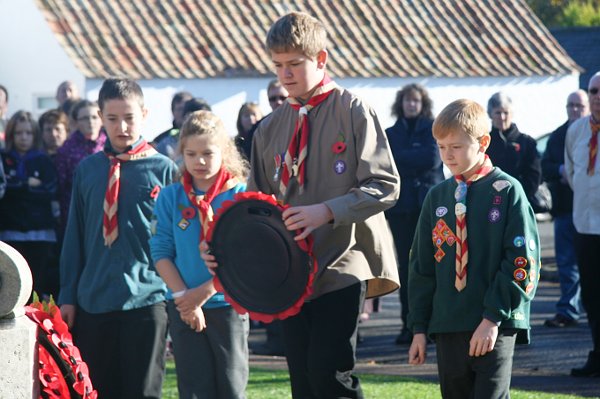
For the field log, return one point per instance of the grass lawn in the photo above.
(268, 384)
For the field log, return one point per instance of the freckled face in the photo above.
(462, 154)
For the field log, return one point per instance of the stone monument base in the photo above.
(19, 360)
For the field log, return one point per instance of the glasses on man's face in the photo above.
(593, 91)
(277, 98)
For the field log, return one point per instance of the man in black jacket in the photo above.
(568, 307)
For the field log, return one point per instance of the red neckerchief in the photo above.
(593, 146)
(297, 152)
(224, 181)
(460, 210)
(110, 226)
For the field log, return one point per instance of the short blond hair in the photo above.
(297, 31)
(205, 123)
(462, 115)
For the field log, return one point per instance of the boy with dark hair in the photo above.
(473, 301)
(111, 294)
(324, 153)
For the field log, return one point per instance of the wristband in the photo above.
(179, 294)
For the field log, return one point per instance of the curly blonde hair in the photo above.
(205, 123)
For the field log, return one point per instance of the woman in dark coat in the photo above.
(512, 151)
(418, 161)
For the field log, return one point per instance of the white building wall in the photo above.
(539, 102)
(32, 63)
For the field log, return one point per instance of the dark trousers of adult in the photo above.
(469, 377)
(125, 350)
(587, 247)
(566, 261)
(37, 255)
(403, 227)
(320, 345)
(212, 364)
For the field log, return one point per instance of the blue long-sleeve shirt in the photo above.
(98, 278)
(177, 240)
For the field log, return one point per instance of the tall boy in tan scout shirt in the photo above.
(324, 153)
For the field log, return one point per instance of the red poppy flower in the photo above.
(188, 212)
(155, 191)
(517, 147)
(338, 147)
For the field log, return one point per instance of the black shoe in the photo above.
(560, 321)
(405, 337)
(268, 350)
(591, 368)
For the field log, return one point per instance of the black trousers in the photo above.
(587, 248)
(320, 345)
(403, 227)
(466, 377)
(125, 350)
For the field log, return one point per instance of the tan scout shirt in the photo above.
(357, 185)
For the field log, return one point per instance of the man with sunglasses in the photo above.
(583, 173)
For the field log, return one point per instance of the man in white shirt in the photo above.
(583, 173)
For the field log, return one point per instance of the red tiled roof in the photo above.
(188, 39)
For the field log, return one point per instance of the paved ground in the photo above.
(542, 366)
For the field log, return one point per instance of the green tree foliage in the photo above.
(584, 14)
(555, 13)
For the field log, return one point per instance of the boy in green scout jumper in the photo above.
(474, 299)
(324, 153)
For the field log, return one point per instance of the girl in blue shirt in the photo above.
(210, 340)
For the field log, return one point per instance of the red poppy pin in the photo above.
(517, 146)
(155, 191)
(339, 146)
(188, 212)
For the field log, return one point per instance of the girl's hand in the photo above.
(34, 182)
(195, 297)
(306, 218)
(417, 353)
(195, 319)
(484, 338)
(208, 258)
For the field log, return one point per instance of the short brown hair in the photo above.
(462, 115)
(54, 117)
(120, 89)
(297, 31)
